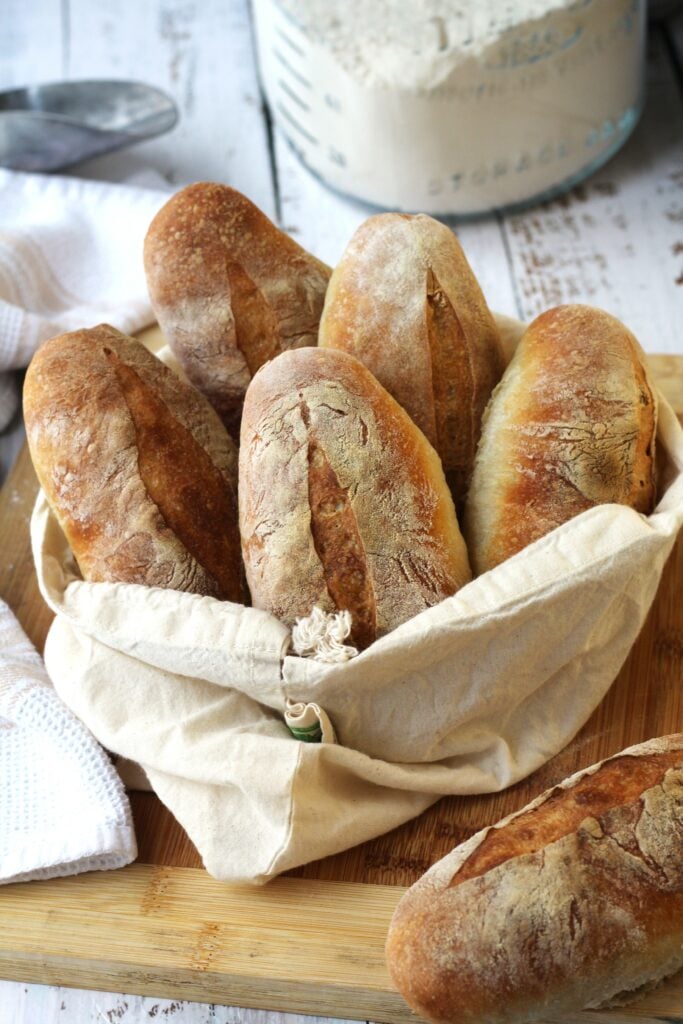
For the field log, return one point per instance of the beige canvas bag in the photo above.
(468, 697)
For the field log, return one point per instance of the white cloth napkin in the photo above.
(70, 257)
(63, 808)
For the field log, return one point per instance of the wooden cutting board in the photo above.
(311, 942)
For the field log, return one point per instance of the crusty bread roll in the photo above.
(229, 290)
(405, 302)
(343, 502)
(136, 465)
(573, 902)
(571, 425)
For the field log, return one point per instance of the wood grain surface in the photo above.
(298, 945)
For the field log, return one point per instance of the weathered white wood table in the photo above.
(615, 242)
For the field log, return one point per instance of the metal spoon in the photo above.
(47, 127)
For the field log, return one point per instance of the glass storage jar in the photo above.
(451, 106)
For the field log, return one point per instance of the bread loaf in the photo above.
(571, 425)
(229, 290)
(136, 465)
(573, 902)
(343, 502)
(405, 302)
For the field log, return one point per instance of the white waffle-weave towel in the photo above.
(63, 808)
(70, 257)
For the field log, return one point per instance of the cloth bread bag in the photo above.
(468, 697)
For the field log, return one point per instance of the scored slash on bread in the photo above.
(343, 501)
(573, 902)
(229, 289)
(135, 464)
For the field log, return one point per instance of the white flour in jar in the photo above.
(452, 106)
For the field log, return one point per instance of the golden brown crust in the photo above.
(339, 545)
(343, 503)
(620, 780)
(571, 425)
(568, 920)
(136, 465)
(229, 290)
(405, 302)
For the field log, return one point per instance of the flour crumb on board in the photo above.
(170, 1010)
(116, 1012)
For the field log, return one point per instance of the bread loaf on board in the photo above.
(404, 301)
(136, 465)
(574, 902)
(571, 425)
(229, 290)
(343, 502)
